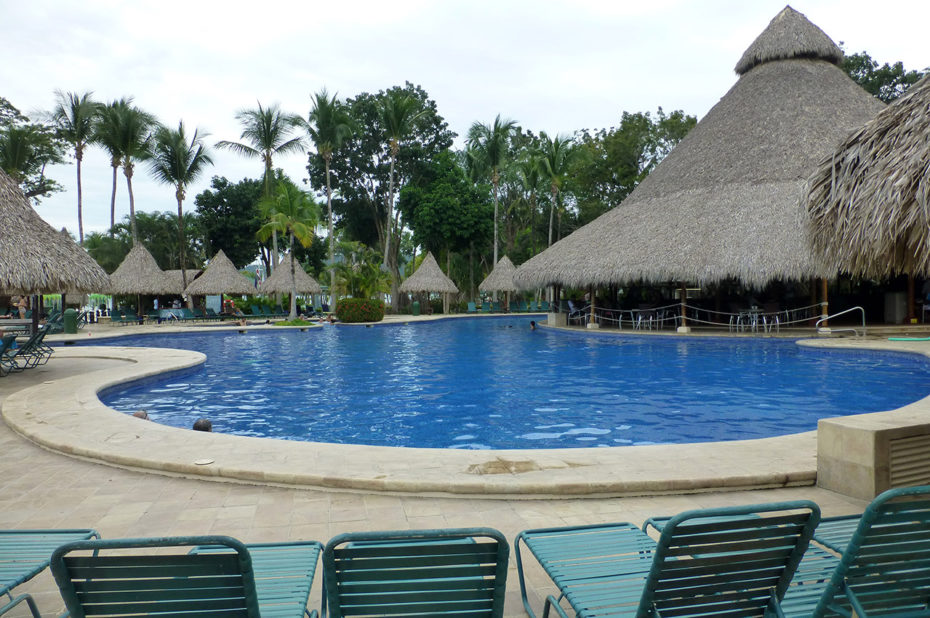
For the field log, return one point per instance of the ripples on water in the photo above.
(493, 383)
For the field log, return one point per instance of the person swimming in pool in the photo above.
(532, 324)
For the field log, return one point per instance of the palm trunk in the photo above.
(495, 180)
(552, 215)
(292, 315)
(332, 239)
(181, 243)
(127, 170)
(79, 156)
(113, 201)
(389, 207)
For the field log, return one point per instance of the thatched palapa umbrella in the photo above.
(428, 278)
(725, 202)
(281, 281)
(139, 274)
(34, 257)
(176, 278)
(868, 201)
(500, 279)
(220, 277)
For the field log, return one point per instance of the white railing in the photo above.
(830, 331)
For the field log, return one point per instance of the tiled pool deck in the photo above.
(42, 489)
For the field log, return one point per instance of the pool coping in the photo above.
(66, 416)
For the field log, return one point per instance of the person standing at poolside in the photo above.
(23, 304)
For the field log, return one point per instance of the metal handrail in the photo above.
(841, 330)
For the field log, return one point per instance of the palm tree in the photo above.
(106, 135)
(292, 212)
(398, 113)
(329, 126)
(73, 117)
(555, 162)
(488, 146)
(179, 162)
(267, 132)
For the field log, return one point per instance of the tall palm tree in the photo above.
(488, 146)
(106, 135)
(136, 129)
(293, 212)
(179, 162)
(73, 118)
(556, 159)
(530, 177)
(266, 132)
(329, 126)
(398, 113)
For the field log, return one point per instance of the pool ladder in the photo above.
(830, 331)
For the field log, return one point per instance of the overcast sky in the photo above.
(552, 66)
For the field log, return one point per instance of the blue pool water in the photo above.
(493, 383)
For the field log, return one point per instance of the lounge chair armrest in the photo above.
(553, 602)
(19, 599)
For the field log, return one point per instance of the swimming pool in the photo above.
(493, 383)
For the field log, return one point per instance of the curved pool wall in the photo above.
(492, 383)
(62, 413)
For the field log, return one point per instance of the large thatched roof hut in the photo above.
(220, 277)
(725, 202)
(868, 201)
(138, 273)
(176, 278)
(34, 257)
(282, 281)
(501, 278)
(428, 278)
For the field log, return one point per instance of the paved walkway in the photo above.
(39, 488)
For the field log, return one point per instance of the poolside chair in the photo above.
(24, 554)
(6, 343)
(884, 568)
(513, 307)
(32, 353)
(734, 561)
(496, 306)
(416, 572)
(256, 311)
(486, 307)
(472, 308)
(523, 307)
(544, 305)
(220, 576)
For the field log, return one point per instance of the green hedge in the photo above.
(359, 310)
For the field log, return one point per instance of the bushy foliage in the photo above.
(354, 310)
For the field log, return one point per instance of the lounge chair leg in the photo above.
(23, 597)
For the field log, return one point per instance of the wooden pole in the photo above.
(684, 304)
(911, 315)
(592, 293)
(824, 303)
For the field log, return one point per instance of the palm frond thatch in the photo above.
(281, 281)
(725, 202)
(868, 201)
(176, 279)
(139, 274)
(428, 278)
(220, 277)
(789, 35)
(501, 278)
(34, 257)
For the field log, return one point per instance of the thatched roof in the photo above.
(176, 280)
(220, 277)
(789, 35)
(139, 274)
(281, 280)
(724, 203)
(501, 278)
(868, 201)
(34, 257)
(428, 278)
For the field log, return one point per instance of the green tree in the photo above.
(229, 216)
(73, 118)
(178, 162)
(157, 231)
(292, 212)
(555, 164)
(26, 148)
(488, 145)
(359, 272)
(329, 127)
(887, 82)
(266, 132)
(106, 134)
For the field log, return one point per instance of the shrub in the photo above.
(360, 310)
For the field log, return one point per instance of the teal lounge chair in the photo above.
(472, 308)
(734, 561)
(416, 573)
(533, 307)
(6, 343)
(24, 554)
(257, 311)
(219, 577)
(486, 307)
(544, 305)
(496, 306)
(32, 353)
(884, 568)
(523, 307)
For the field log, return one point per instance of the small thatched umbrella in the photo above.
(725, 202)
(220, 277)
(868, 201)
(290, 278)
(139, 274)
(500, 279)
(428, 278)
(176, 279)
(34, 257)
